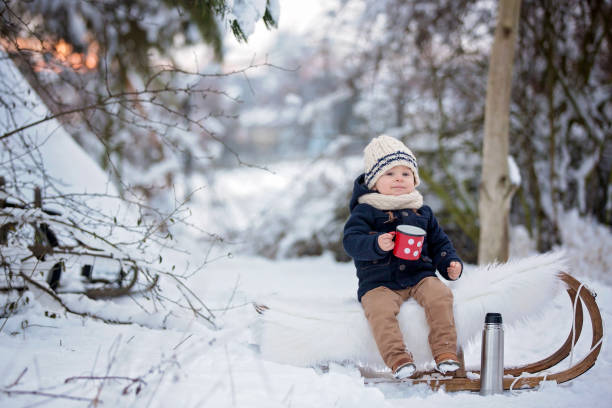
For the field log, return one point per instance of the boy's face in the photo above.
(396, 181)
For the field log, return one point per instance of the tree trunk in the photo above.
(496, 189)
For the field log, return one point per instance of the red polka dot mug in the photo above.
(408, 242)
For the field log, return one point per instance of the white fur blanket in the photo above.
(306, 334)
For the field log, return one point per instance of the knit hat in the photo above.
(383, 153)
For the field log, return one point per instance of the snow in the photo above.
(247, 13)
(588, 246)
(192, 364)
(54, 145)
(171, 357)
(514, 172)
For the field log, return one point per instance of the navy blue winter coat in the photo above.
(376, 267)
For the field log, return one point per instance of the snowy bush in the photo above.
(64, 230)
(588, 246)
(297, 211)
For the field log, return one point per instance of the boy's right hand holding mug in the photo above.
(385, 241)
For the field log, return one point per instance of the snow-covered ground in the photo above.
(171, 357)
(192, 364)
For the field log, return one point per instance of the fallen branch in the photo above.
(65, 306)
(132, 381)
(43, 394)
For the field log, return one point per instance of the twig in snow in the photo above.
(182, 341)
(251, 303)
(212, 316)
(156, 388)
(231, 377)
(287, 399)
(44, 394)
(229, 302)
(14, 383)
(207, 395)
(11, 311)
(132, 381)
(95, 361)
(193, 308)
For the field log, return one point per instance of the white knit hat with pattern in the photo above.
(383, 153)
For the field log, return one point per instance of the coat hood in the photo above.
(359, 189)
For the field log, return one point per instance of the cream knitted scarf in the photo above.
(390, 202)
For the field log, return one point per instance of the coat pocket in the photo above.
(374, 271)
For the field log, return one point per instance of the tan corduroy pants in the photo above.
(382, 305)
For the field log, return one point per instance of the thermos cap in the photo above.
(493, 318)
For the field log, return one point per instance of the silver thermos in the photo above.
(492, 356)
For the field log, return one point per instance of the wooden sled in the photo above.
(530, 375)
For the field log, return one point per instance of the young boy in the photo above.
(384, 197)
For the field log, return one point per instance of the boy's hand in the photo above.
(385, 242)
(454, 270)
